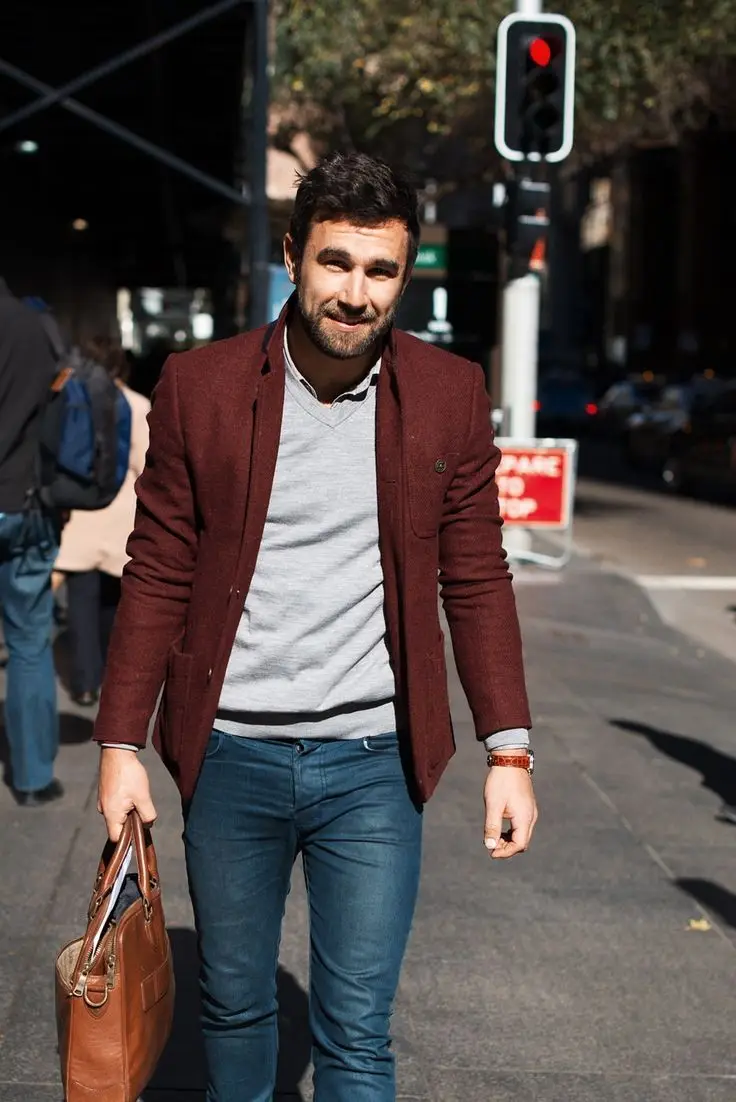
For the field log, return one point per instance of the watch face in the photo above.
(531, 762)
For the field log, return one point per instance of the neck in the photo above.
(329, 376)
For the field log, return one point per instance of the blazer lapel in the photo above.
(417, 400)
(269, 408)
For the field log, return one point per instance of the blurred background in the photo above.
(638, 279)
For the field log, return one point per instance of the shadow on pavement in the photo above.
(718, 771)
(73, 730)
(715, 898)
(182, 1066)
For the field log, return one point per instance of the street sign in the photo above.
(431, 256)
(536, 484)
(535, 87)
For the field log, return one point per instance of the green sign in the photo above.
(431, 256)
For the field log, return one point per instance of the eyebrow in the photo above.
(324, 256)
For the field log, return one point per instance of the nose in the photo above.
(353, 294)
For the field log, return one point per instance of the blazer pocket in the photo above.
(176, 698)
(428, 482)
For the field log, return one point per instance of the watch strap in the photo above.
(518, 761)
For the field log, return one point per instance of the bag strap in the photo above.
(145, 855)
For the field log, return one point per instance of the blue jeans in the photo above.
(345, 806)
(28, 547)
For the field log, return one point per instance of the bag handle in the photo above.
(145, 855)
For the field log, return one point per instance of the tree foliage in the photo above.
(416, 76)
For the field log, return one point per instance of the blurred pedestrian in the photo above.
(28, 546)
(92, 553)
(306, 487)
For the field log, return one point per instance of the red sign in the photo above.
(534, 485)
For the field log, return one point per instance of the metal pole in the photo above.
(107, 67)
(259, 229)
(127, 136)
(519, 355)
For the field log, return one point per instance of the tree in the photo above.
(415, 77)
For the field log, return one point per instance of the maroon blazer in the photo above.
(202, 503)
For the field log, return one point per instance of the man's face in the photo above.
(349, 283)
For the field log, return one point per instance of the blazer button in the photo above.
(440, 466)
(209, 674)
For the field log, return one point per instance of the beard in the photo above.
(342, 344)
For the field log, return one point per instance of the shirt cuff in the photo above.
(119, 746)
(516, 738)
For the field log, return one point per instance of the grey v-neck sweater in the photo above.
(310, 658)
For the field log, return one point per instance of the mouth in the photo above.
(347, 323)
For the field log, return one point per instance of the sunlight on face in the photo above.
(349, 283)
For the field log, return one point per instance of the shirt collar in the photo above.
(294, 373)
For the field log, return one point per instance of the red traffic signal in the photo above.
(540, 51)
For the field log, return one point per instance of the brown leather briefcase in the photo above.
(115, 985)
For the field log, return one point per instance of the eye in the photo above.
(380, 273)
(336, 266)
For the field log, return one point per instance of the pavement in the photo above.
(599, 966)
(679, 549)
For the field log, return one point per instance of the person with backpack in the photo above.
(28, 546)
(92, 553)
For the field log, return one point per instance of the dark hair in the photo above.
(109, 353)
(357, 187)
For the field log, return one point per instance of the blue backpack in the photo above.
(85, 438)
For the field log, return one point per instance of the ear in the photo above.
(291, 258)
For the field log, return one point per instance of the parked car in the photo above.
(622, 400)
(690, 438)
(565, 405)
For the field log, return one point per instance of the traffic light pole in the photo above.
(519, 355)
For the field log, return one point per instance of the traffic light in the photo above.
(527, 223)
(535, 87)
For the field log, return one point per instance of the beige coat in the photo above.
(96, 540)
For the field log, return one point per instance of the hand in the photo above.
(123, 786)
(509, 794)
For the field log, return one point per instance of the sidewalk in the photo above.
(598, 967)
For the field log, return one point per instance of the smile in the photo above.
(342, 324)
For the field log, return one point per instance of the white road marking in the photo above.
(710, 583)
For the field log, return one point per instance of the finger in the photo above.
(503, 850)
(520, 835)
(147, 811)
(533, 824)
(114, 826)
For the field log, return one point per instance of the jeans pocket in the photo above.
(214, 743)
(381, 744)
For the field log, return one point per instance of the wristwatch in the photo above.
(519, 761)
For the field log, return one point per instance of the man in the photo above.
(304, 486)
(28, 546)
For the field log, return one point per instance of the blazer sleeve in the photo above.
(157, 580)
(475, 583)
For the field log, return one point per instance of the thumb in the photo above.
(492, 829)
